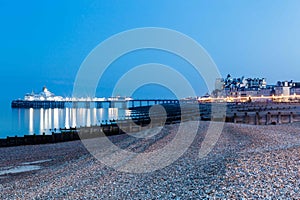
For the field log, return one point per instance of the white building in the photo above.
(44, 95)
(241, 87)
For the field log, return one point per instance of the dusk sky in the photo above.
(45, 42)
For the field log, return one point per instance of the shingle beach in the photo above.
(247, 162)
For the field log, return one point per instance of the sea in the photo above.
(20, 122)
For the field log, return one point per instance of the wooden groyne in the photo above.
(264, 118)
(71, 134)
(39, 139)
(263, 113)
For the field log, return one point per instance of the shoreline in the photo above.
(246, 113)
(239, 113)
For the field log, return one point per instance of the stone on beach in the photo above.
(247, 162)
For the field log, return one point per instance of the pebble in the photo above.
(247, 162)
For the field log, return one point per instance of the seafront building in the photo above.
(249, 89)
(241, 87)
(295, 89)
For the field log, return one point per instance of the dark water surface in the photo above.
(36, 121)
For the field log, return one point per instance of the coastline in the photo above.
(245, 113)
(249, 162)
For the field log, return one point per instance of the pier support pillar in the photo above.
(87, 104)
(124, 105)
(74, 104)
(99, 105)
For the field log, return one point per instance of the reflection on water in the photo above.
(31, 121)
(38, 121)
(67, 119)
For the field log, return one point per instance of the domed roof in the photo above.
(46, 93)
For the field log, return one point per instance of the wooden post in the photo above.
(62, 137)
(234, 118)
(53, 137)
(119, 129)
(34, 138)
(256, 118)
(72, 136)
(268, 118)
(246, 118)
(279, 118)
(291, 117)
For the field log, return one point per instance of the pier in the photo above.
(91, 103)
(47, 99)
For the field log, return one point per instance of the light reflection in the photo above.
(82, 116)
(88, 117)
(67, 120)
(112, 113)
(41, 120)
(73, 117)
(127, 112)
(101, 114)
(19, 118)
(50, 119)
(55, 118)
(44, 120)
(31, 130)
(94, 116)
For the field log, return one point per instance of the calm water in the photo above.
(29, 121)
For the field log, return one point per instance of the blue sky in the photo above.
(45, 42)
